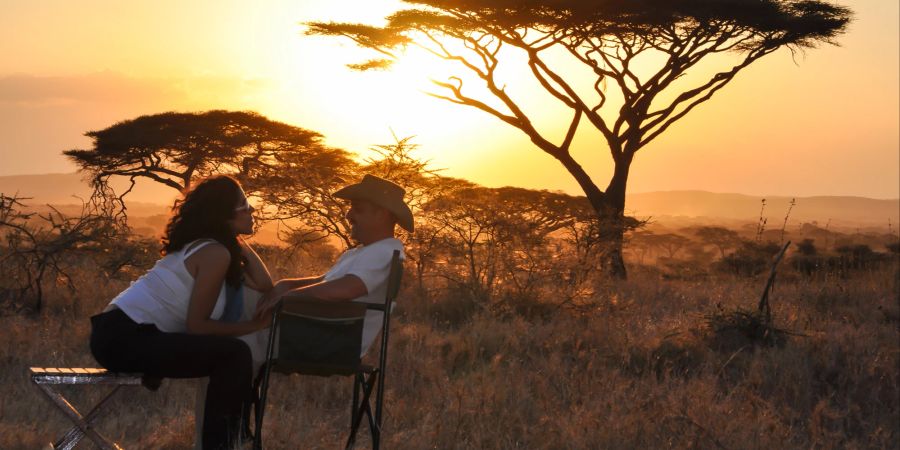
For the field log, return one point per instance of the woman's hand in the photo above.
(271, 298)
(262, 319)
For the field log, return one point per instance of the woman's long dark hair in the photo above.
(203, 213)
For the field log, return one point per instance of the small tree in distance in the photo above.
(630, 108)
(720, 237)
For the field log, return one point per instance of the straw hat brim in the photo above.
(395, 205)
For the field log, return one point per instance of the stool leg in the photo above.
(74, 434)
(83, 427)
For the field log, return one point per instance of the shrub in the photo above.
(750, 259)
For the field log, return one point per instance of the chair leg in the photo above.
(363, 406)
(374, 429)
(356, 384)
(357, 380)
(83, 425)
(262, 388)
(255, 392)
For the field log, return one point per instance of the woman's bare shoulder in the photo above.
(211, 255)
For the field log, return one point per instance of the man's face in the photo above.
(365, 219)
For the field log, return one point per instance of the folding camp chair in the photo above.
(324, 339)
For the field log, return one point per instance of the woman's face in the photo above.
(242, 220)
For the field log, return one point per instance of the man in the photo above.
(360, 274)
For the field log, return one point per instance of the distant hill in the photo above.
(63, 188)
(840, 210)
(150, 198)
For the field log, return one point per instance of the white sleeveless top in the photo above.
(161, 296)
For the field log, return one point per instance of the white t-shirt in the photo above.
(371, 264)
(162, 295)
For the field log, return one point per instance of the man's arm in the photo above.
(289, 284)
(344, 288)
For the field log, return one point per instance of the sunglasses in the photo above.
(245, 207)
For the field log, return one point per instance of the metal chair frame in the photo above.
(47, 378)
(366, 378)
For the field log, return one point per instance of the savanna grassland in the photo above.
(657, 361)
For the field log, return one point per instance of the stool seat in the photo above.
(82, 375)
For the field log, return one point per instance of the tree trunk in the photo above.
(610, 209)
(612, 219)
(612, 234)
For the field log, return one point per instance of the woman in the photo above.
(177, 320)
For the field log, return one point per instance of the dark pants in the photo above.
(121, 345)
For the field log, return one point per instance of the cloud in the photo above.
(103, 87)
(113, 88)
(40, 116)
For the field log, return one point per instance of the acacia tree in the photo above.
(628, 106)
(722, 238)
(299, 186)
(423, 184)
(498, 236)
(288, 167)
(175, 148)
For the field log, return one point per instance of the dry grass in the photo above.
(633, 367)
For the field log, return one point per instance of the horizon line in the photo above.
(699, 190)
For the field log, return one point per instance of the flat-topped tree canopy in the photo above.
(173, 147)
(606, 37)
(760, 14)
(803, 23)
(286, 166)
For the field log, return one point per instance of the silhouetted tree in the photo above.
(36, 247)
(807, 247)
(640, 243)
(751, 258)
(175, 148)
(507, 237)
(531, 227)
(807, 259)
(288, 167)
(893, 247)
(670, 243)
(298, 187)
(720, 237)
(608, 38)
(468, 239)
(423, 184)
(857, 256)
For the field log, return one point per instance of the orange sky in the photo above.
(827, 124)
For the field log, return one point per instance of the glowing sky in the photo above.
(823, 123)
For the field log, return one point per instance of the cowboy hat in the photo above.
(383, 193)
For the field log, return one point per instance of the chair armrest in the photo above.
(324, 309)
